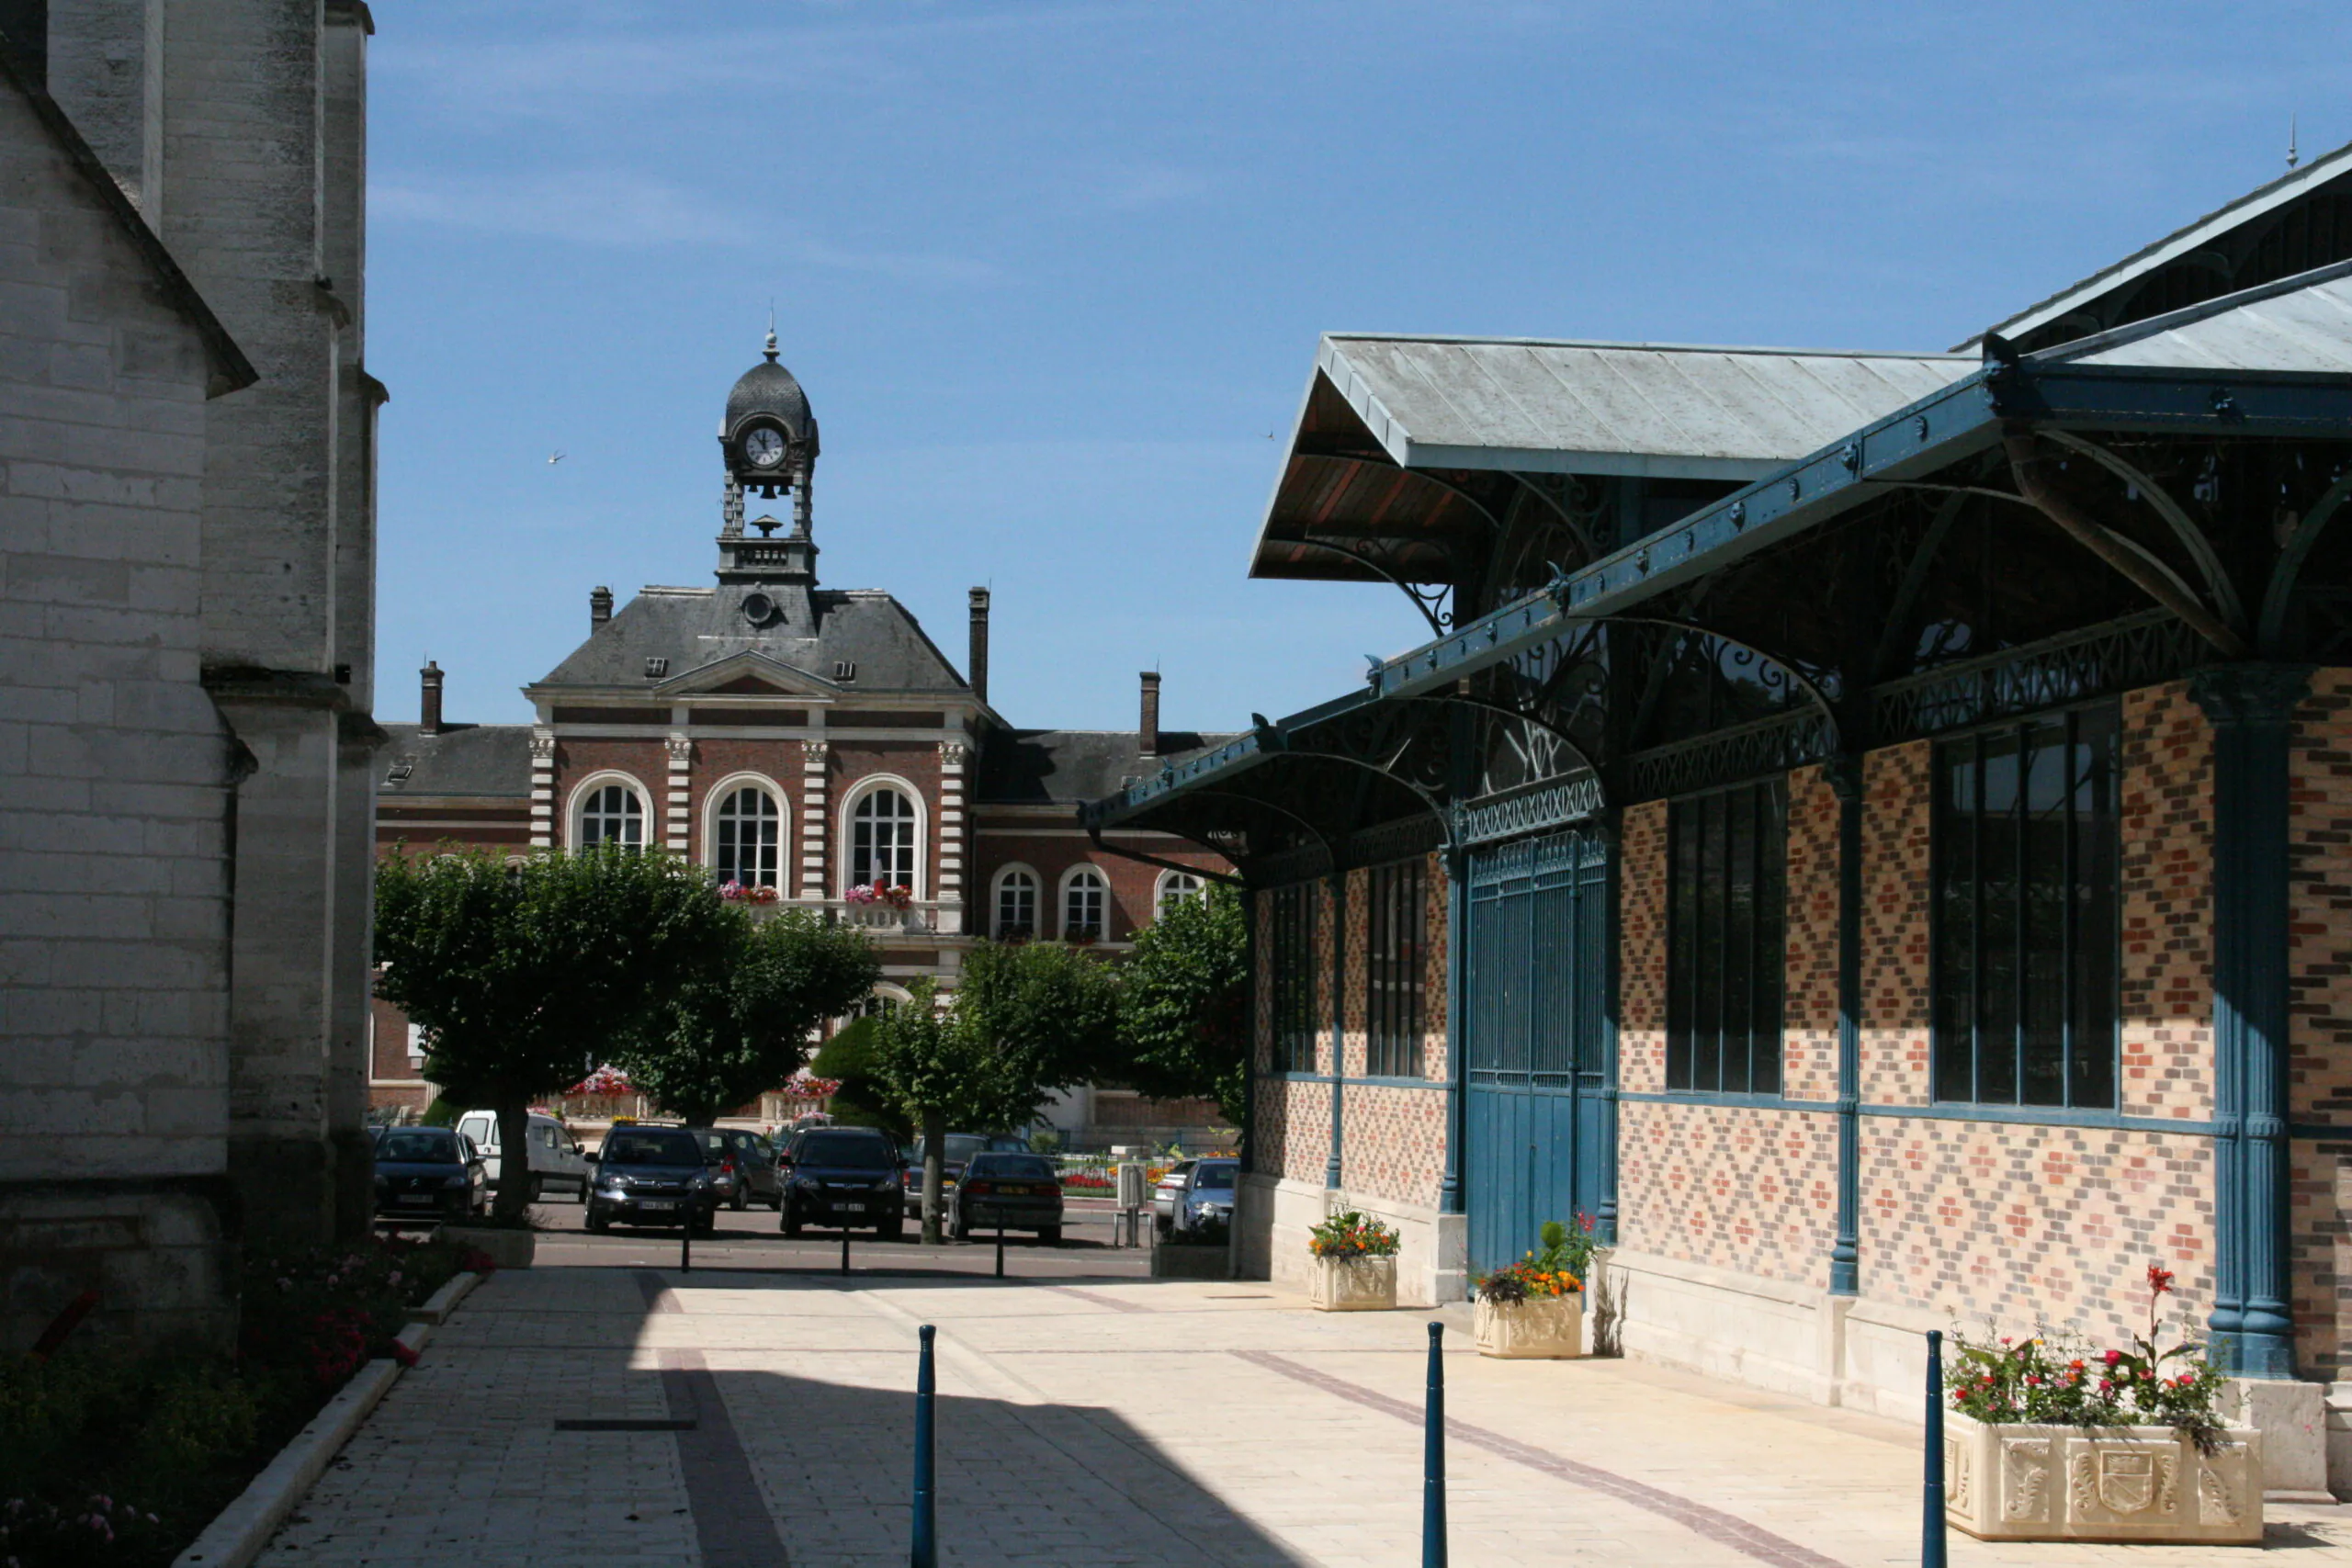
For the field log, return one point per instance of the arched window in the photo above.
(1016, 904)
(1175, 887)
(882, 840)
(745, 839)
(611, 814)
(1086, 904)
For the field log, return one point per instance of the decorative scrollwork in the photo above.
(1528, 810)
(1727, 756)
(2138, 650)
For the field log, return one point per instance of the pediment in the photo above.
(750, 674)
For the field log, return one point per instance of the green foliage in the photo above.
(1567, 1249)
(848, 1058)
(932, 1064)
(521, 973)
(1184, 1004)
(1045, 1140)
(1352, 1235)
(742, 1026)
(443, 1112)
(1050, 1010)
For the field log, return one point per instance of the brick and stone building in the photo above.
(186, 544)
(810, 741)
(1869, 831)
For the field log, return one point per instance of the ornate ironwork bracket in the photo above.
(2288, 573)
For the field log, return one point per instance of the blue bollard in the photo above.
(926, 1526)
(1433, 1461)
(1931, 1539)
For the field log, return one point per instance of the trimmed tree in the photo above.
(519, 973)
(1184, 1004)
(848, 1058)
(743, 1025)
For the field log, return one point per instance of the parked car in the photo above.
(845, 1178)
(652, 1176)
(428, 1174)
(742, 1166)
(1010, 1191)
(1208, 1195)
(1166, 1192)
(954, 1149)
(557, 1162)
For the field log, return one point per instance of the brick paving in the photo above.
(1092, 1422)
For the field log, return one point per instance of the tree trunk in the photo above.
(514, 1159)
(934, 1170)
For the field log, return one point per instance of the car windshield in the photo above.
(652, 1148)
(846, 1150)
(1214, 1175)
(962, 1147)
(418, 1148)
(1031, 1166)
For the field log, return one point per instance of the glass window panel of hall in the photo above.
(612, 814)
(2026, 964)
(882, 841)
(1395, 972)
(1016, 907)
(747, 832)
(1292, 960)
(1726, 897)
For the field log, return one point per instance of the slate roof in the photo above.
(1049, 767)
(1664, 409)
(770, 388)
(693, 627)
(486, 759)
(2297, 323)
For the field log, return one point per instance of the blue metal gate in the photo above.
(1537, 1139)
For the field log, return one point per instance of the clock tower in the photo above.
(768, 441)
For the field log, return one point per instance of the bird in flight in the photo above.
(557, 457)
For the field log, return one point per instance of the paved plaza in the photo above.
(749, 1417)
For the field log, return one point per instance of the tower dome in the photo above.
(770, 393)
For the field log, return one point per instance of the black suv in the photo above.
(652, 1176)
(842, 1178)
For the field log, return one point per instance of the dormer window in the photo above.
(655, 668)
(844, 670)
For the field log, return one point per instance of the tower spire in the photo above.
(770, 348)
(2294, 157)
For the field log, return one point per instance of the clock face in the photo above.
(765, 448)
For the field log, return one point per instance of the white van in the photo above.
(556, 1161)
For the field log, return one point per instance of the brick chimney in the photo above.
(428, 708)
(1147, 731)
(979, 671)
(600, 606)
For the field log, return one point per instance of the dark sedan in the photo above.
(428, 1174)
(1009, 1192)
(652, 1176)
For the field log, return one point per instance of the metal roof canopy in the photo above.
(1928, 434)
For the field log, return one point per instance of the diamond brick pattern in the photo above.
(1734, 1187)
(1809, 1013)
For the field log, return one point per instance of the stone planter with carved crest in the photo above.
(2106, 1483)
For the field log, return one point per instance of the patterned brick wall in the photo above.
(1357, 1054)
(1809, 1013)
(2168, 886)
(2320, 1025)
(1732, 1186)
(1394, 1141)
(1641, 981)
(1262, 983)
(1434, 1061)
(1896, 936)
(1326, 933)
(2032, 1222)
(1301, 1129)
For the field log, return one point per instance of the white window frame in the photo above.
(1061, 898)
(725, 790)
(575, 809)
(873, 783)
(1161, 889)
(1005, 874)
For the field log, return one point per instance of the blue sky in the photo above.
(1053, 273)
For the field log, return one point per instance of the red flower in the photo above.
(2159, 1279)
(2112, 1356)
(402, 1354)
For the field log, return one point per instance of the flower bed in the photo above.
(2050, 1438)
(115, 1460)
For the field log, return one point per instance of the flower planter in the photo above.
(1352, 1284)
(1539, 1328)
(507, 1247)
(2112, 1484)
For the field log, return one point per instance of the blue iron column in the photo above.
(2252, 708)
(1845, 776)
(1457, 892)
(1339, 1018)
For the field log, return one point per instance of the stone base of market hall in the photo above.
(1877, 843)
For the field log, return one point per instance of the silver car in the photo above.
(1208, 1197)
(1168, 1192)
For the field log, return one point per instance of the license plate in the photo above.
(657, 1203)
(852, 1208)
(416, 1197)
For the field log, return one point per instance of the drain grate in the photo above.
(627, 1424)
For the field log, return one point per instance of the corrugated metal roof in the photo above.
(2298, 324)
(2184, 242)
(1662, 410)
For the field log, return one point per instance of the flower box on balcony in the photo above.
(1539, 1328)
(2013, 1482)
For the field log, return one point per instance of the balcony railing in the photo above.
(924, 917)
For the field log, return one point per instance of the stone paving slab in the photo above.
(1096, 1423)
